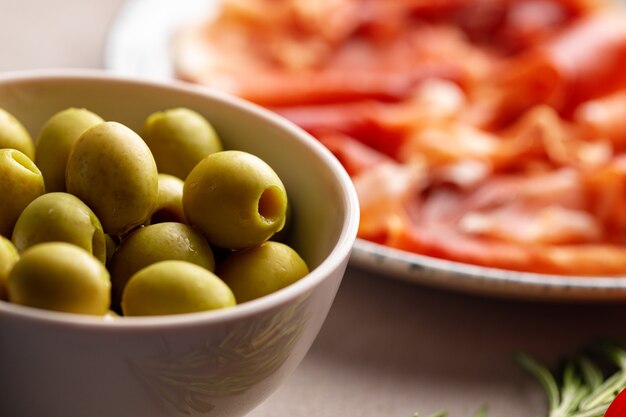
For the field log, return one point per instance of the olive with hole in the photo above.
(55, 140)
(174, 287)
(169, 206)
(20, 183)
(285, 233)
(60, 276)
(154, 243)
(111, 169)
(59, 217)
(236, 199)
(8, 257)
(179, 138)
(13, 135)
(254, 272)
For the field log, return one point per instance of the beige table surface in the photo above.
(388, 348)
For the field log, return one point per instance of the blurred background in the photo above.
(388, 348)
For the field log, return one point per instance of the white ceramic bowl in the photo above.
(221, 363)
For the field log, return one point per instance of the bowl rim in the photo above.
(340, 252)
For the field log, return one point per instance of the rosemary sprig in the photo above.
(580, 390)
(583, 391)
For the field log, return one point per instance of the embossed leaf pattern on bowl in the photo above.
(189, 383)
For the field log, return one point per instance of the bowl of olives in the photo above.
(165, 250)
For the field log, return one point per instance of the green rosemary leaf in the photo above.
(572, 392)
(591, 372)
(594, 412)
(605, 392)
(543, 376)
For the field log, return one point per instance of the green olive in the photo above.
(154, 243)
(14, 135)
(169, 206)
(55, 140)
(111, 246)
(20, 183)
(174, 287)
(179, 138)
(235, 199)
(255, 272)
(111, 169)
(8, 257)
(62, 277)
(59, 217)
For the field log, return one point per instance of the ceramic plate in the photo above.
(139, 43)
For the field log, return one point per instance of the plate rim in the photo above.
(443, 273)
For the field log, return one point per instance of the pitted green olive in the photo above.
(235, 199)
